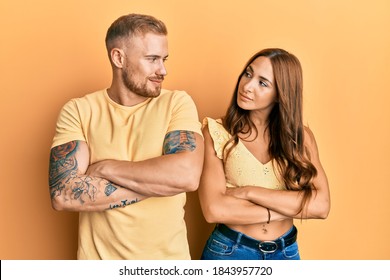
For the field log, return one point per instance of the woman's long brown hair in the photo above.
(285, 124)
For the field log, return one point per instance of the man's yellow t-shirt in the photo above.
(150, 229)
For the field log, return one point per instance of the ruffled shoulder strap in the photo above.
(218, 133)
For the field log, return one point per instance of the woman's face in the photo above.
(256, 89)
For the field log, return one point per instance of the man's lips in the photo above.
(156, 80)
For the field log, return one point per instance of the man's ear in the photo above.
(117, 57)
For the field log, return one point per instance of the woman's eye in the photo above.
(263, 84)
(247, 74)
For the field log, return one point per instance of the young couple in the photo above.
(125, 156)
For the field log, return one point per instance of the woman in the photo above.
(262, 168)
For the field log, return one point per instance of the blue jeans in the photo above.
(221, 247)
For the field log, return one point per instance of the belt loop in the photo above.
(239, 235)
(282, 243)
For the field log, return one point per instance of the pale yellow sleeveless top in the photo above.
(242, 168)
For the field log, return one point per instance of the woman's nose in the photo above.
(248, 85)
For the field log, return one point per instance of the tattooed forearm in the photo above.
(71, 189)
(123, 204)
(179, 141)
(110, 188)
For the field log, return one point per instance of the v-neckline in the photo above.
(263, 164)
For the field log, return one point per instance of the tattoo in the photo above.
(63, 165)
(110, 188)
(66, 181)
(63, 176)
(179, 141)
(84, 186)
(123, 204)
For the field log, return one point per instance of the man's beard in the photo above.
(138, 88)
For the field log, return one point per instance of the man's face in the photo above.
(144, 69)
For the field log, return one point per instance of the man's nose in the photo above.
(161, 70)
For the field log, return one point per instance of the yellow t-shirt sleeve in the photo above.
(184, 114)
(68, 126)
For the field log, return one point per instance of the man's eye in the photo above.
(152, 59)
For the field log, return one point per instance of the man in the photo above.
(124, 157)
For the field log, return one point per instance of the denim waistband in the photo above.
(268, 246)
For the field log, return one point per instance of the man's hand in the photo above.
(97, 169)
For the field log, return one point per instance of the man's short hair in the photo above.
(133, 24)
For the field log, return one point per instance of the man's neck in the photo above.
(124, 97)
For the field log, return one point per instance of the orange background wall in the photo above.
(52, 51)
